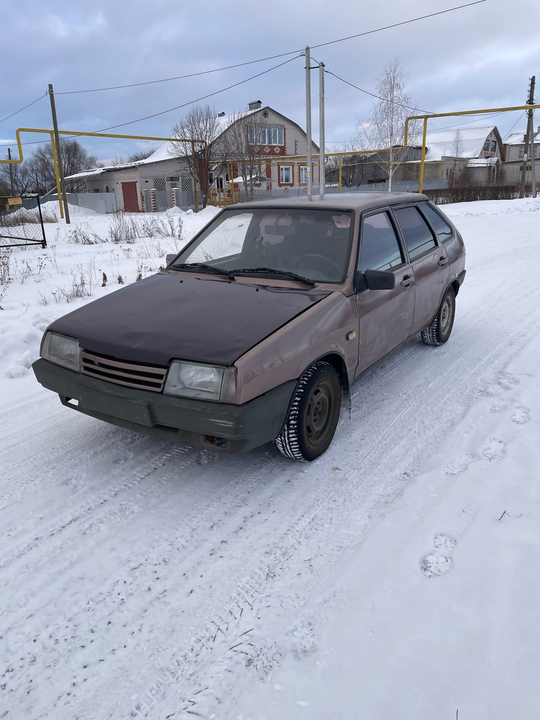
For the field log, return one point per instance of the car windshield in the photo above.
(268, 242)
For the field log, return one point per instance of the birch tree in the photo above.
(386, 128)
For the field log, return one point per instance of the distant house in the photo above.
(267, 136)
(514, 145)
(478, 150)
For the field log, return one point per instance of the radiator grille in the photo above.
(145, 377)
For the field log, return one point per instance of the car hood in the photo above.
(170, 316)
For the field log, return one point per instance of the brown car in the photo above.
(258, 328)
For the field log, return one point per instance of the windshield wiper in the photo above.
(202, 267)
(271, 271)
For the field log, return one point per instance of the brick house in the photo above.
(267, 136)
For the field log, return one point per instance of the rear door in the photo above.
(385, 317)
(429, 262)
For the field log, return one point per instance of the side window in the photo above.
(380, 246)
(442, 229)
(418, 237)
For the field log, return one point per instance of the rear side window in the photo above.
(418, 237)
(380, 246)
(442, 229)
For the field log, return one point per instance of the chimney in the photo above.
(255, 105)
(221, 114)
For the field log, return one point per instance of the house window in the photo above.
(493, 145)
(303, 174)
(521, 152)
(172, 179)
(486, 146)
(285, 175)
(266, 136)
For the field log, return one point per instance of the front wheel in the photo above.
(313, 415)
(439, 330)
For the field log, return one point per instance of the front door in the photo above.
(385, 316)
(131, 200)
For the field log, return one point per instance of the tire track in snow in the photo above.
(205, 660)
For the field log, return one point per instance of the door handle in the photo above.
(407, 280)
(443, 261)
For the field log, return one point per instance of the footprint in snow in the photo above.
(521, 415)
(433, 565)
(508, 381)
(437, 563)
(458, 466)
(496, 450)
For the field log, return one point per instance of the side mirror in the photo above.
(375, 280)
(170, 258)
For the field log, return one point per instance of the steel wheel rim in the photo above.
(318, 413)
(446, 315)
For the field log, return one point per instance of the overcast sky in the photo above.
(476, 57)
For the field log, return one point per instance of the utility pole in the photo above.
(59, 154)
(308, 122)
(322, 174)
(10, 171)
(528, 151)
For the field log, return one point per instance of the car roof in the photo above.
(348, 201)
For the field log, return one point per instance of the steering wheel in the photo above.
(326, 261)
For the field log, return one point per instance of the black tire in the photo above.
(313, 415)
(439, 330)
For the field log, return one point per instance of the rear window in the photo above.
(442, 229)
(418, 237)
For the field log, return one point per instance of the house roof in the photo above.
(518, 138)
(164, 151)
(443, 144)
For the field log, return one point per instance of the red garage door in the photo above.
(131, 201)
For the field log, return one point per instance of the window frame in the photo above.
(437, 245)
(403, 248)
(268, 131)
(444, 219)
(291, 169)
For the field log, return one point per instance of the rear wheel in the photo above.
(439, 330)
(314, 414)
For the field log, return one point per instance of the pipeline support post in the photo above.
(59, 154)
(423, 159)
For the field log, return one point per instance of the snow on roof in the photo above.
(165, 151)
(518, 138)
(443, 143)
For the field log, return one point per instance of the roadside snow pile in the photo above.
(93, 256)
(493, 207)
(52, 207)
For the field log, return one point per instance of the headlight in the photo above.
(205, 382)
(61, 350)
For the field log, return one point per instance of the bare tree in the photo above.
(142, 155)
(75, 159)
(118, 160)
(23, 178)
(457, 150)
(386, 129)
(242, 145)
(200, 124)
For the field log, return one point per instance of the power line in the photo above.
(272, 57)
(409, 107)
(177, 107)
(24, 108)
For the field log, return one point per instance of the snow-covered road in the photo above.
(142, 579)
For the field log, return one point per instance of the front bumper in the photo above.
(217, 426)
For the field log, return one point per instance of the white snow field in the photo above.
(395, 578)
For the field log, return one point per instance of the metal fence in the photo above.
(21, 222)
(98, 202)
